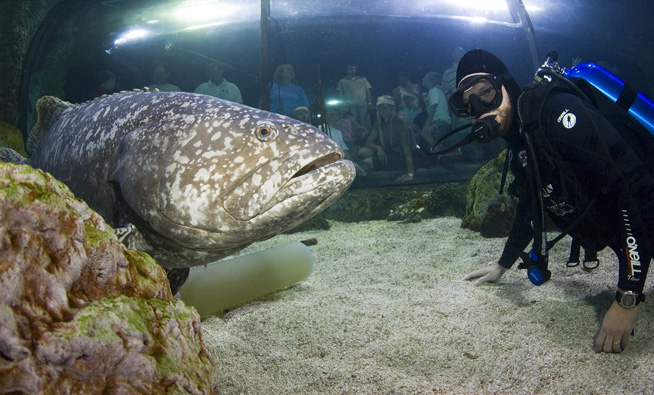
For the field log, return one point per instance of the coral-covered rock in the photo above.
(12, 137)
(79, 312)
(488, 212)
(439, 200)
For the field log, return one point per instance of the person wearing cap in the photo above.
(388, 146)
(601, 162)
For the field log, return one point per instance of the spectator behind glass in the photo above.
(218, 86)
(354, 90)
(106, 83)
(160, 77)
(303, 114)
(345, 121)
(285, 96)
(449, 75)
(408, 97)
(438, 113)
(388, 146)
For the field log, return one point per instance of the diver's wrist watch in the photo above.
(628, 299)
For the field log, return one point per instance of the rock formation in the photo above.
(79, 312)
(11, 137)
(488, 212)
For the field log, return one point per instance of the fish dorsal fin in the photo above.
(48, 109)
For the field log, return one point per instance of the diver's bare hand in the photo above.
(490, 273)
(616, 328)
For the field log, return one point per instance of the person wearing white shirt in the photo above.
(438, 112)
(218, 86)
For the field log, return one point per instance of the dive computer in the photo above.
(628, 299)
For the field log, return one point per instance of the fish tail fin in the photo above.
(49, 109)
(11, 156)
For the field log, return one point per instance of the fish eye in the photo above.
(266, 132)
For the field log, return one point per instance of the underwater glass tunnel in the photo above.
(320, 38)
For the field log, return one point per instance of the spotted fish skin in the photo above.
(200, 177)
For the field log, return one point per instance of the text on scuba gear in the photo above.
(562, 115)
(633, 256)
(485, 130)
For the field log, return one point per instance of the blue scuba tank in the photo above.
(642, 108)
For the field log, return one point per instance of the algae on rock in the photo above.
(79, 312)
(12, 137)
(488, 212)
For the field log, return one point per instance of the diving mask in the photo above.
(476, 96)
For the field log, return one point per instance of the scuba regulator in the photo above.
(475, 96)
(483, 131)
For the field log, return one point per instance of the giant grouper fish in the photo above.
(199, 177)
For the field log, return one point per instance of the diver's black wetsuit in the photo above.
(600, 166)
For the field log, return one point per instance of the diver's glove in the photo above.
(490, 273)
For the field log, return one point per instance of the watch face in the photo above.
(628, 300)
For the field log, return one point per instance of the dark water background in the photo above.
(382, 38)
(321, 37)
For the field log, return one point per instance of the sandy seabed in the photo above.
(385, 312)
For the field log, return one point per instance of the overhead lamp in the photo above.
(131, 35)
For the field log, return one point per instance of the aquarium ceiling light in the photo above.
(475, 19)
(487, 5)
(482, 5)
(205, 11)
(131, 35)
(203, 26)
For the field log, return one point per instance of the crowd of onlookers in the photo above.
(391, 132)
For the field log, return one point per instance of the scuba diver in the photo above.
(570, 162)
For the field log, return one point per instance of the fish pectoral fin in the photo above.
(125, 233)
(11, 156)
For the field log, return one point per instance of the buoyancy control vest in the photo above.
(563, 198)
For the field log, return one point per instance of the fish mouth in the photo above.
(286, 177)
(318, 163)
